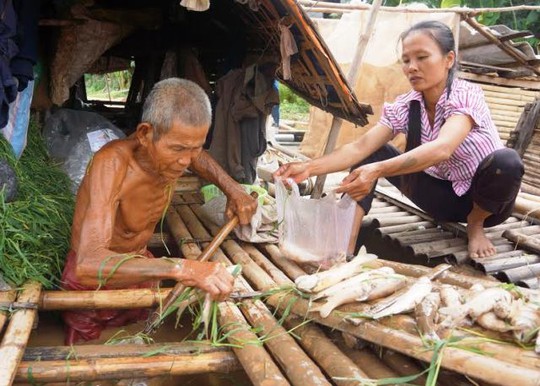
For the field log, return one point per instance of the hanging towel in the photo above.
(288, 48)
(196, 5)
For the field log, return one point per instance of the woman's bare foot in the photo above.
(479, 244)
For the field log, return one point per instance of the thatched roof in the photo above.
(227, 35)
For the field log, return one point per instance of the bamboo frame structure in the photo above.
(255, 360)
(298, 367)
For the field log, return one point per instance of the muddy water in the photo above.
(50, 333)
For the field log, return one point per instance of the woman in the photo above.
(455, 167)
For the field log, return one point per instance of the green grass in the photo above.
(291, 106)
(35, 228)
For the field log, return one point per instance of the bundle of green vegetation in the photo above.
(35, 226)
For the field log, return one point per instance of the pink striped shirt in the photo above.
(483, 139)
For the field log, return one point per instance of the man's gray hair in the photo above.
(176, 100)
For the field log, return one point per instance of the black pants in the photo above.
(494, 188)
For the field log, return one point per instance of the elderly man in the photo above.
(126, 191)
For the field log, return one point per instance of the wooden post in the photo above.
(17, 333)
(352, 77)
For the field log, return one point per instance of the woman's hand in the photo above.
(297, 171)
(360, 181)
(210, 277)
(242, 205)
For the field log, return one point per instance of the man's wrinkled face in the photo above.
(174, 151)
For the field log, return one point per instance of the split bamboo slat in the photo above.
(336, 364)
(18, 331)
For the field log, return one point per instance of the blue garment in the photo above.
(8, 49)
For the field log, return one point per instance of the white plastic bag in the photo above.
(313, 230)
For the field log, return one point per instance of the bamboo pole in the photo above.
(403, 365)
(461, 257)
(17, 333)
(100, 351)
(102, 299)
(527, 207)
(275, 273)
(514, 275)
(325, 353)
(423, 238)
(189, 251)
(464, 10)
(298, 367)
(421, 225)
(352, 77)
(6, 297)
(289, 267)
(126, 368)
(374, 367)
(256, 362)
(523, 239)
(512, 260)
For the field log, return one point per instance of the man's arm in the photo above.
(238, 201)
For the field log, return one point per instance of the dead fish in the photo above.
(425, 313)
(450, 297)
(384, 288)
(403, 302)
(353, 282)
(525, 318)
(361, 291)
(478, 303)
(492, 322)
(324, 279)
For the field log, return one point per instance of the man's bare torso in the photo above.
(138, 203)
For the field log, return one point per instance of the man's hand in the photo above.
(242, 205)
(211, 277)
(360, 181)
(297, 171)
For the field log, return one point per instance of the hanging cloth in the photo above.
(288, 47)
(196, 5)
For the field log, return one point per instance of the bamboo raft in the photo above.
(322, 352)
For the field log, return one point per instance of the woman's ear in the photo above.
(451, 59)
(144, 133)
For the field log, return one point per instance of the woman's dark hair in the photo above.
(442, 35)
